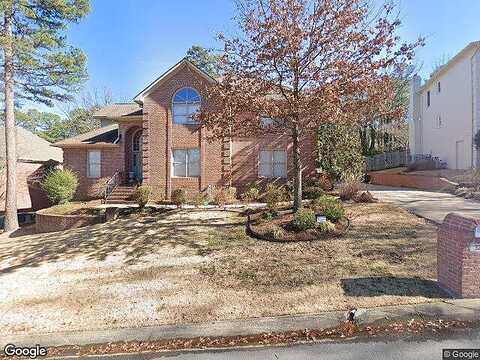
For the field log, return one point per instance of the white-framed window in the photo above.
(272, 163)
(428, 98)
(94, 163)
(438, 122)
(186, 103)
(186, 162)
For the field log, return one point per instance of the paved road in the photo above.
(430, 205)
(426, 349)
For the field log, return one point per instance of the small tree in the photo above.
(303, 64)
(60, 186)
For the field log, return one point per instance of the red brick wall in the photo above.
(245, 155)
(389, 178)
(162, 136)
(457, 265)
(45, 222)
(76, 160)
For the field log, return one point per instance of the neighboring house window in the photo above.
(94, 163)
(428, 98)
(438, 122)
(272, 163)
(186, 162)
(186, 103)
(439, 87)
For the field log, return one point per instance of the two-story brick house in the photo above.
(154, 140)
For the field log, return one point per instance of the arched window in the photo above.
(186, 102)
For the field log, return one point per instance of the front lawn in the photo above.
(187, 266)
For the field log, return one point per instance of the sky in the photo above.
(131, 42)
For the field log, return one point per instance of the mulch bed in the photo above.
(260, 228)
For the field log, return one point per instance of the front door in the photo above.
(137, 156)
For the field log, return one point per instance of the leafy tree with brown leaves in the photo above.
(303, 64)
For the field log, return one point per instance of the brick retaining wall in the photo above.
(401, 179)
(45, 222)
(458, 261)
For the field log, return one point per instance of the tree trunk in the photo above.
(11, 221)
(297, 164)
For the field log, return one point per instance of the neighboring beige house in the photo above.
(444, 112)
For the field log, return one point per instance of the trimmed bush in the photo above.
(326, 227)
(60, 186)
(349, 189)
(273, 195)
(179, 197)
(142, 195)
(304, 219)
(276, 232)
(200, 199)
(251, 194)
(330, 207)
(224, 195)
(312, 192)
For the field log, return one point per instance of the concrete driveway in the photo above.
(430, 205)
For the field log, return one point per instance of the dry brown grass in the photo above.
(188, 266)
(388, 256)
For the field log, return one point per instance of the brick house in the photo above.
(154, 140)
(35, 157)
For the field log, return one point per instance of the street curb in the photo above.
(462, 309)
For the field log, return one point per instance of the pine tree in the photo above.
(38, 66)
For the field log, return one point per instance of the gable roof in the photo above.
(184, 62)
(30, 147)
(103, 137)
(118, 110)
(472, 46)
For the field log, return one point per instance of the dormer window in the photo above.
(186, 103)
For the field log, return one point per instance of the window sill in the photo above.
(186, 177)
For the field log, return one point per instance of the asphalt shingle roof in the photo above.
(118, 110)
(30, 147)
(103, 135)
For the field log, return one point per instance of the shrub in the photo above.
(326, 227)
(60, 186)
(251, 194)
(273, 195)
(364, 197)
(142, 195)
(304, 219)
(275, 232)
(330, 207)
(200, 199)
(349, 189)
(325, 182)
(224, 195)
(179, 197)
(312, 192)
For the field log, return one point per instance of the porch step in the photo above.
(121, 195)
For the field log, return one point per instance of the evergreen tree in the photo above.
(38, 66)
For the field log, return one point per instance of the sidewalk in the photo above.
(466, 310)
(433, 206)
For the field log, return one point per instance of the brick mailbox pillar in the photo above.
(458, 256)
